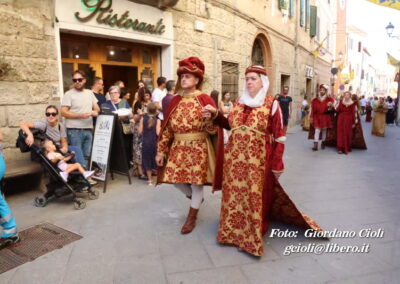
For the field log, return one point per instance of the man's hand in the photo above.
(86, 115)
(64, 150)
(29, 140)
(159, 160)
(210, 109)
(94, 113)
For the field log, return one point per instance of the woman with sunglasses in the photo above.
(55, 131)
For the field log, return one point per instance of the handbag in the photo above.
(126, 128)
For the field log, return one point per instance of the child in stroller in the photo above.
(61, 161)
(58, 185)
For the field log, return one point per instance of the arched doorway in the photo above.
(261, 54)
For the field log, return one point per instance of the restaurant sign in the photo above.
(105, 15)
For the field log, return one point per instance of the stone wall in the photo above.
(28, 66)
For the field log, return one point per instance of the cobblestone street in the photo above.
(131, 234)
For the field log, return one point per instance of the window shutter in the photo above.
(302, 13)
(291, 9)
(313, 21)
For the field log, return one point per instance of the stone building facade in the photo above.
(28, 66)
(228, 35)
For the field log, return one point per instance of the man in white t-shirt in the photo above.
(158, 94)
(79, 106)
(363, 104)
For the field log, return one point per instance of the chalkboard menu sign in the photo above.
(108, 151)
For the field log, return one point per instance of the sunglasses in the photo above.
(77, 80)
(51, 113)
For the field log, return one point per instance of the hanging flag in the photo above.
(321, 44)
(392, 61)
(394, 4)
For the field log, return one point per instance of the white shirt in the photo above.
(79, 102)
(363, 102)
(157, 97)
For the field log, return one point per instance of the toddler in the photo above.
(55, 157)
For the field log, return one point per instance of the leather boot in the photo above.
(190, 222)
(315, 148)
(323, 145)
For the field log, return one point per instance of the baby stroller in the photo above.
(57, 186)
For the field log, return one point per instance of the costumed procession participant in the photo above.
(285, 102)
(305, 114)
(346, 120)
(358, 141)
(249, 169)
(9, 234)
(185, 153)
(368, 112)
(320, 116)
(379, 118)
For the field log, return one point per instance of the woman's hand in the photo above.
(159, 160)
(277, 175)
(29, 139)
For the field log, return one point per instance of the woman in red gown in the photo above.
(346, 120)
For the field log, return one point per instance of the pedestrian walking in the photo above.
(9, 234)
(249, 169)
(185, 153)
(346, 120)
(390, 111)
(285, 102)
(320, 115)
(379, 119)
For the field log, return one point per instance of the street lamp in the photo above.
(389, 30)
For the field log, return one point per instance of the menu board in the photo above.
(102, 142)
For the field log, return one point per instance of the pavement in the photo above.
(131, 233)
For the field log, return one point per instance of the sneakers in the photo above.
(87, 174)
(5, 242)
(64, 176)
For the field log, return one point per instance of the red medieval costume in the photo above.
(368, 111)
(251, 195)
(322, 117)
(346, 119)
(185, 144)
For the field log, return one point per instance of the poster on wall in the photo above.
(101, 146)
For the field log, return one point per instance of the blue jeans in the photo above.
(81, 138)
(78, 158)
(7, 220)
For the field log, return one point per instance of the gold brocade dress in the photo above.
(250, 194)
(190, 157)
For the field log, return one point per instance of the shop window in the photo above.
(73, 49)
(257, 56)
(230, 78)
(146, 57)
(119, 54)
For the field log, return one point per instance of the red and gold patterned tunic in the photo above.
(190, 157)
(250, 193)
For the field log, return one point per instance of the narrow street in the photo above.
(131, 233)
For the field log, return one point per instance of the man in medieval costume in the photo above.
(249, 169)
(185, 153)
(321, 117)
